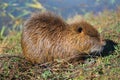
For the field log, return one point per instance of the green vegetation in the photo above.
(99, 68)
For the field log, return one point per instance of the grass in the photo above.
(106, 67)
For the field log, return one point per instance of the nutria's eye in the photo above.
(79, 30)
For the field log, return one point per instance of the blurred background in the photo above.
(14, 12)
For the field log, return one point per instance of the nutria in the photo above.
(47, 37)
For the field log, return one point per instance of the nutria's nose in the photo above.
(103, 42)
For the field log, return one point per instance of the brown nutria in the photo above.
(47, 37)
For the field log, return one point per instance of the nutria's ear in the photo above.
(79, 29)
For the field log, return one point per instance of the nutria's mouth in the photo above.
(96, 50)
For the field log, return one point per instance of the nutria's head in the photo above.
(86, 38)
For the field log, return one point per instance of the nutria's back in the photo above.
(47, 37)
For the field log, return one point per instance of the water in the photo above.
(71, 7)
(14, 12)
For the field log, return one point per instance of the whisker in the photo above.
(100, 53)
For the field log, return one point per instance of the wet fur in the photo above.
(47, 37)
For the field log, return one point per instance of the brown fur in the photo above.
(47, 37)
